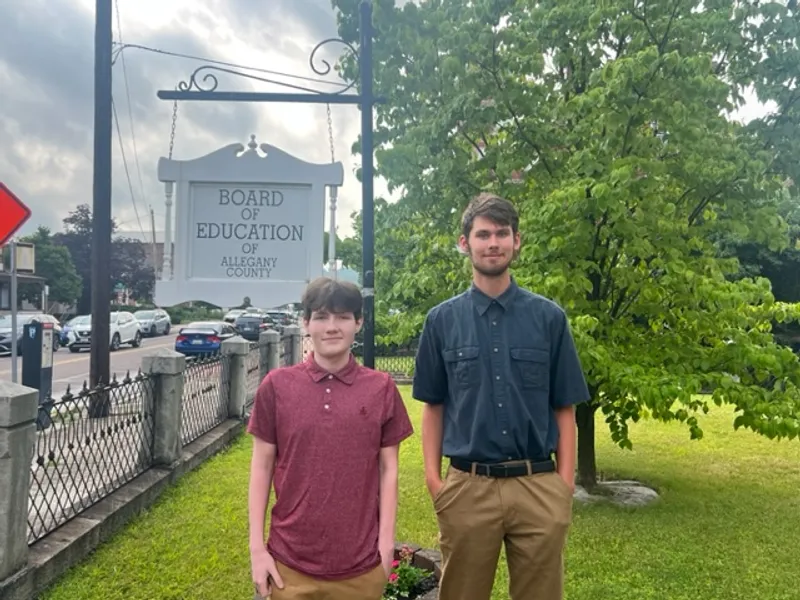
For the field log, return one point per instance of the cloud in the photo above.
(47, 98)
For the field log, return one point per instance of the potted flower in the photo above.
(407, 581)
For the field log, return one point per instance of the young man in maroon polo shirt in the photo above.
(327, 434)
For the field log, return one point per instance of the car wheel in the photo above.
(137, 340)
(166, 330)
(55, 344)
(115, 341)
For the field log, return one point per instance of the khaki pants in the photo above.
(297, 586)
(477, 514)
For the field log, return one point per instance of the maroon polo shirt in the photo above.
(328, 429)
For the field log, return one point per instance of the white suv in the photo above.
(125, 329)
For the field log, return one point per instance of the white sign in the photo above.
(247, 225)
(26, 257)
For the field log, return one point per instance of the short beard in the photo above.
(497, 271)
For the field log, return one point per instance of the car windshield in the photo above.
(5, 321)
(82, 320)
(144, 314)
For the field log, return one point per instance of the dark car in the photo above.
(250, 325)
(203, 338)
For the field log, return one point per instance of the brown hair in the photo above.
(332, 295)
(498, 210)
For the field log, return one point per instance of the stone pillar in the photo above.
(269, 343)
(296, 344)
(168, 367)
(19, 406)
(234, 371)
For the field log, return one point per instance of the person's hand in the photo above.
(434, 486)
(387, 557)
(569, 480)
(265, 572)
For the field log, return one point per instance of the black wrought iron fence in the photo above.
(88, 445)
(205, 396)
(252, 366)
(395, 359)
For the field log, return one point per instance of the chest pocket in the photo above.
(463, 368)
(531, 366)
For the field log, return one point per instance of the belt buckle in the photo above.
(501, 469)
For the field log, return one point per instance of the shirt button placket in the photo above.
(498, 371)
(328, 396)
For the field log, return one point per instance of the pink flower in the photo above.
(395, 564)
(393, 577)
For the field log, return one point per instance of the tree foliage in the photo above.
(610, 126)
(128, 259)
(55, 265)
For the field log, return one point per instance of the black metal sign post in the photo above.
(202, 86)
(100, 361)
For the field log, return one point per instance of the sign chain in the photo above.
(330, 134)
(172, 132)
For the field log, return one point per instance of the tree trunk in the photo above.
(587, 461)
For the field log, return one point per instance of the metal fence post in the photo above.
(19, 406)
(270, 346)
(166, 403)
(234, 373)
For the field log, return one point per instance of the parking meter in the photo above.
(37, 367)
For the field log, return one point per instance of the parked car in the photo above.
(230, 316)
(250, 325)
(154, 322)
(281, 318)
(23, 319)
(124, 329)
(203, 338)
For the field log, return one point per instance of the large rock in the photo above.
(623, 493)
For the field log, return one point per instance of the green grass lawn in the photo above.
(727, 527)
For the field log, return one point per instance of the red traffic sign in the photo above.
(13, 214)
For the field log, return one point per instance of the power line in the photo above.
(125, 163)
(121, 47)
(130, 109)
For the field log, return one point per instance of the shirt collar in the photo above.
(482, 301)
(345, 375)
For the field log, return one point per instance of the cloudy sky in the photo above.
(46, 97)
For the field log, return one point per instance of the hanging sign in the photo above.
(248, 224)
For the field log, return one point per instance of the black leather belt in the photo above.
(510, 469)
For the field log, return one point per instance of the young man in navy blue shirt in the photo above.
(499, 375)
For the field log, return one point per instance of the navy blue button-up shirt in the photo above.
(501, 367)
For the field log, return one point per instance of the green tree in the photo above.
(128, 259)
(130, 267)
(54, 263)
(608, 125)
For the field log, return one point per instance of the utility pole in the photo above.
(155, 244)
(100, 367)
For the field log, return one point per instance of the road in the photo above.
(73, 369)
